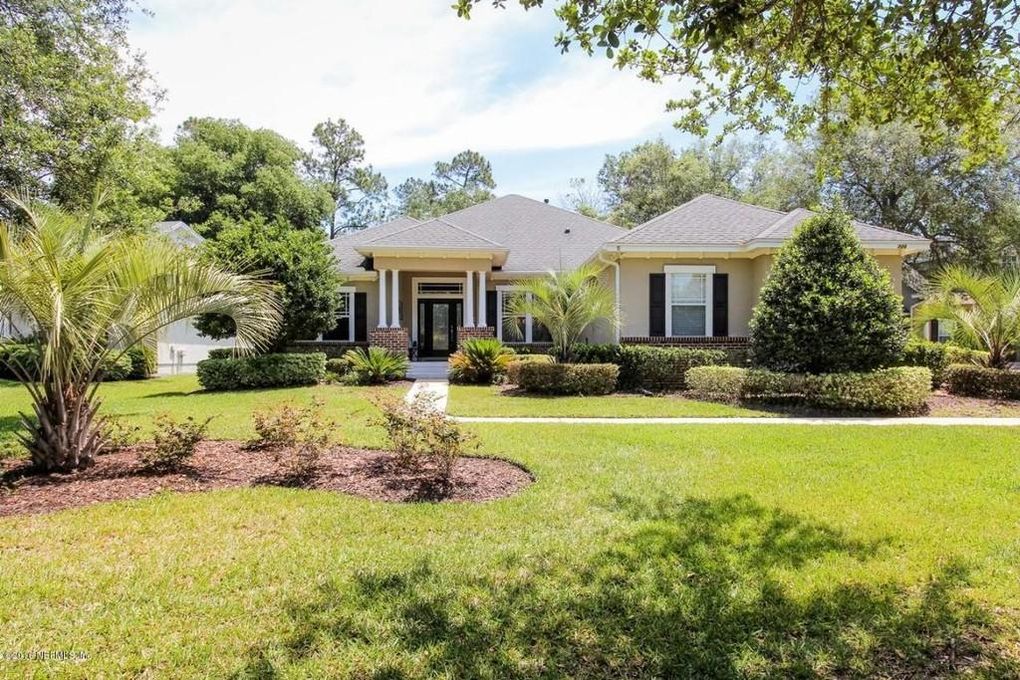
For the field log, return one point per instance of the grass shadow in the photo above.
(692, 589)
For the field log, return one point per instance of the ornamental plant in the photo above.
(827, 306)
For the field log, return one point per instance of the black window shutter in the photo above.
(656, 305)
(720, 305)
(490, 308)
(361, 317)
(934, 331)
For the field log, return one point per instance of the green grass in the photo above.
(136, 402)
(469, 400)
(640, 551)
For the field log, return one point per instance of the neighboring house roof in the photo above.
(178, 232)
(535, 236)
(712, 222)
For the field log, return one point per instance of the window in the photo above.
(945, 333)
(344, 330)
(528, 330)
(688, 300)
(440, 288)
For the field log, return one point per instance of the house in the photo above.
(688, 277)
(179, 347)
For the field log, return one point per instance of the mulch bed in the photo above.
(228, 464)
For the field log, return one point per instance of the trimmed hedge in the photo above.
(979, 381)
(659, 369)
(267, 370)
(549, 378)
(932, 355)
(26, 356)
(961, 355)
(221, 353)
(887, 390)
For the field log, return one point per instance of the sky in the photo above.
(419, 83)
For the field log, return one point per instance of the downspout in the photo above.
(615, 264)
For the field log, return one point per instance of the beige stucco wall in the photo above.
(746, 277)
(456, 265)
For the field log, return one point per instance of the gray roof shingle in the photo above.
(436, 233)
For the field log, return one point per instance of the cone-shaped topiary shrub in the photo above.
(827, 305)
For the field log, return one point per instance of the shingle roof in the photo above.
(714, 221)
(537, 236)
(434, 234)
(178, 232)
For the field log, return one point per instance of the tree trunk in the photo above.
(65, 434)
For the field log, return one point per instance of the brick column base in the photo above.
(393, 339)
(465, 333)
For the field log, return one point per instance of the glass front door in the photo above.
(437, 327)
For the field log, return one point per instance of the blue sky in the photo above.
(419, 83)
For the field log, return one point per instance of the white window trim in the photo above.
(349, 292)
(672, 269)
(432, 279)
(500, 291)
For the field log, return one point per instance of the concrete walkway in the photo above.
(922, 420)
(438, 390)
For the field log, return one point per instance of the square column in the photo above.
(469, 301)
(482, 311)
(395, 303)
(382, 298)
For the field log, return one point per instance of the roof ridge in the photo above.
(571, 212)
(786, 216)
(740, 202)
(423, 223)
(466, 231)
(362, 230)
(658, 217)
(767, 231)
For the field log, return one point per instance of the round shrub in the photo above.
(551, 378)
(375, 365)
(267, 370)
(827, 306)
(968, 380)
(480, 361)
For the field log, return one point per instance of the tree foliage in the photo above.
(454, 185)
(300, 261)
(222, 172)
(827, 306)
(945, 65)
(337, 161)
(99, 295)
(71, 99)
(984, 310)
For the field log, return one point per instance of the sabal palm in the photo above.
(984, 309)
(88, 297)
(566, 303)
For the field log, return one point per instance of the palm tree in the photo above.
(565, 303)
(984, 309)
(90, 296)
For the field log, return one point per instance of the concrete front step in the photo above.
(428, 370)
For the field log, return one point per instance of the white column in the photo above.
(382, 298)
(482, 320)
(395, 304)
(469, 301)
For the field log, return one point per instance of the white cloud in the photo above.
(419, 83)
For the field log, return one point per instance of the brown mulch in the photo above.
(941, 403)
(228, 464)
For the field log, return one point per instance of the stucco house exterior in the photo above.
(690, 276)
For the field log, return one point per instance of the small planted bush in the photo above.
(662, 369)
(968, 380)
(422, 437)
(174, 442)
(595, 353)
(550, 378)
(375, 365)
(480, 361)
(267, 370)
(117, 435)
(731, 383)
(931, 355)
(143, 362)
(337, 369)
(296, 436)
(962, 355)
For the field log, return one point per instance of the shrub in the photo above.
(222, 353)
(594, 353)
(887, 390)
(296, 436)
(480, 361)
(662, 368)
(731, 383)
(24, 357)
(375, 365)
(174, 442)
(422, 436)
(116, 367)
(530, 359)
(827, 305)
(117, 435)
(549, 378)
(962, 355)
(931, 355)
(980, 381)
(143, 362)
(336, 369)
(267, 370)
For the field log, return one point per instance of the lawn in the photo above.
(136, 402)
(469, 400)
(707, 551)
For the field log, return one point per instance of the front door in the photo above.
(437, 327)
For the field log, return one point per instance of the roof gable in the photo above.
(434, 234)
